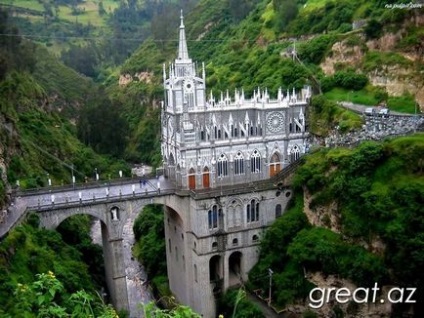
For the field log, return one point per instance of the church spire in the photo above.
(182, 45)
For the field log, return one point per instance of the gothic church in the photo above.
(209, 145)
(208, 142)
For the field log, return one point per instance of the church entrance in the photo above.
(206, 178)
(275, 165)
(192, 179)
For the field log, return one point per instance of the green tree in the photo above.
(45, 297)
(149, 233)
(373, 29)
(101, 125)
(286, 11)
(102, 10)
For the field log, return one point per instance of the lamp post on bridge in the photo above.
(49, 181)
(73, 177)
(96, 175)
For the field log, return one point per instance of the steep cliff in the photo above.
(363, 226)
(392, 61)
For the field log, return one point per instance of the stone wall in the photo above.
(376, 128)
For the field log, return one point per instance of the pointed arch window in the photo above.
(252, 211)
(213, 217)
(275, 165)
(295, 153)
(114, 213)
(222, 166)
(239, 164)
(255, 162)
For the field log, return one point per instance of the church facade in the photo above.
(208, 143)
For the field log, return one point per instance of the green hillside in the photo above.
(39, 99)
(248, 44)
(46, 273)
(66, 255)
(377, 192)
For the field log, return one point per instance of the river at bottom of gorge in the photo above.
(138, 290)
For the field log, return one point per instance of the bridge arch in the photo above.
(112, 218)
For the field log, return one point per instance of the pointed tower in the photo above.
(184, 98)
(183, 64)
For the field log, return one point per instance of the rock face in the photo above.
(7, 137)
(321, 216)
(125, 79)
(323, 301)
(354, 307)
(342, 53)
(396, 79)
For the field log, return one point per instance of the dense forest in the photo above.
(358, 212)
(369, 206)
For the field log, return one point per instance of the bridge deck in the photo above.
(47, 199)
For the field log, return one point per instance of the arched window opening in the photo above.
(213, 217)
(255, 162)
(295, 153)
(255, 238)
(252, 211)
(222, 166)
(235, 242)
(278, 210)
(214, 246)
(114, 213)
(239, 164)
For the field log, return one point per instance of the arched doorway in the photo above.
(215, 274)
(192, 179)
(205, 178)
(275, 165)
(234, 269)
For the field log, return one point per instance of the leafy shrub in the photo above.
(150, 248)
(315, 50)
(235, 304)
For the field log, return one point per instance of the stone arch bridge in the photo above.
(203, 259)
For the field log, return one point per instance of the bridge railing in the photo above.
(288, 170)
(79, 186)
(102, 199)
